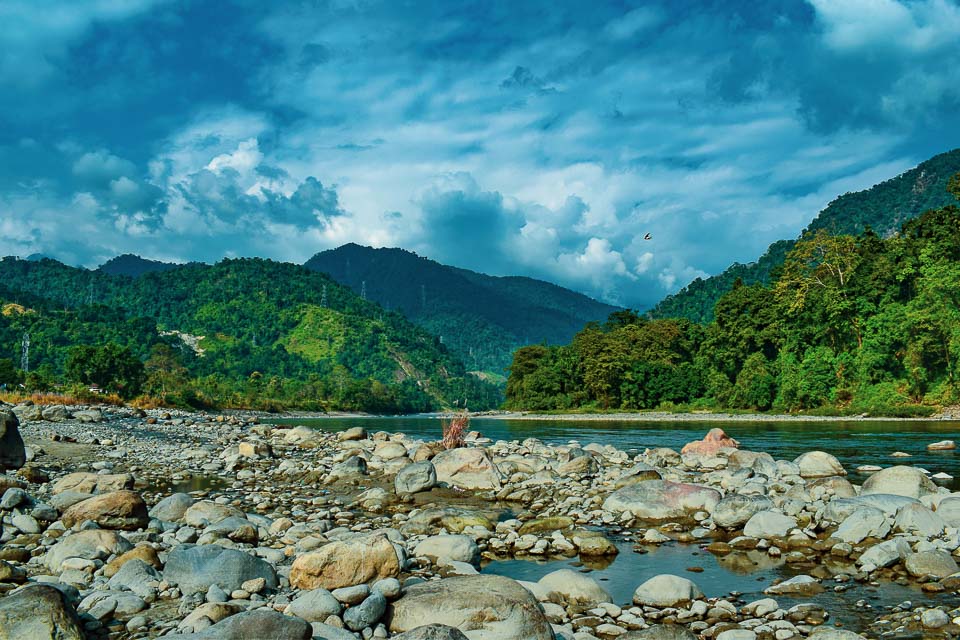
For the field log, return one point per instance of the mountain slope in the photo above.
(883, 207)
(482, 318)
(133, 266)
(251, 319)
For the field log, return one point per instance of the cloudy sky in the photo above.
(534, 138)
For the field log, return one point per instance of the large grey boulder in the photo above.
(936, 563)
(666, 590)
(949, 511)
(12, 453)
(38, 612)
(899, 481)
(864, 522)
(93, 544)
(918, 520)
(467, 468)
(259, 624)
(734, 510)
(819, 464)
(195, 568)
(416, 477)
(839, 509)
(136, 576)
(367, 613)
(446, 548)
(483, 607)
(885, 554)
(769, 524)
(662, 500)
(571, 587)
(314, 606)
(432, 632)
(172, 508)
(661, 632)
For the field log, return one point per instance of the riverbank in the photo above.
(362, 534)
(663, 416)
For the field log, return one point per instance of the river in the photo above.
(854, 443)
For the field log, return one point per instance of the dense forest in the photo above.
(241, 333)
(883, 208)
(851, 323)
(480, 318)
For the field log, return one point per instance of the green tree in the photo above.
(755, 387)
(166, 375)
(111, 367)
(8, 373)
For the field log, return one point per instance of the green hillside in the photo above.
(849, 324)
(481, 318)
(247, 331)
(883, 208)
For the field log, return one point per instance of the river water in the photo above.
(854, 443)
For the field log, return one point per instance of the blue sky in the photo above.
(534, 138)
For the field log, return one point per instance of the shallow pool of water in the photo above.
(746, 573)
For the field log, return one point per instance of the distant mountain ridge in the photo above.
(481, 318)
(134, 266)
(883, 207)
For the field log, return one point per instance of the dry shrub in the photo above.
(455, 431)
(46, 399)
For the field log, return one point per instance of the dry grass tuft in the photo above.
(46, 399)
(455, 431)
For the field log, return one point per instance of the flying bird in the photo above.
(648, 237)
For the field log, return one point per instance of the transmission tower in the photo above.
(363, 290)
(323, 297)
(25, 353)
(423, 296)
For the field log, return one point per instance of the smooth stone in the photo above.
(661, 500)
(901, 481)
(457, 547)
(38, 612)
(666, 591)
(566, 585)
(366, 613)
(345, 563)
(483, 607)
(194, 568)
(314, 606)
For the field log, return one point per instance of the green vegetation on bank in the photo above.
(883, 208)
(241, 333)
(851, 324)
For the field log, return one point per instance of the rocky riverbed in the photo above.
(292, 532)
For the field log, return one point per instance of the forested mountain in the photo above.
(246, 332)
(883, 208)
(853, 323)
(133, 266)
(481, 318)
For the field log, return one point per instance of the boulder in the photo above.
(483, 607)
(819, 464)
(592, 543)
(885, 554)
(918, 520)
(715, 440)
(801, 585)
(458, 548)
(570, 587)
(195, 568)
(367, 613)
(735, 509)
(416, 477)
(585, 465)
(56, 413)
(432, 632)
(352, 434)
(936, 563)
(259, 624)
(38, 612)
(345, 563)
(550, 523)
(124, 510)
(172, 508)
(662, 500)
(661, 632)
(467, 468)
(93, 544)
(828, 632)
(13, 455)
(666, 591)
(144, 553)
(942, 445)
(864, 522)
(769, 524)
(899, 481)
(949, 511)
(205, 513)
(138, 577)
(314, 606)
(839, 509)
(640, 472)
